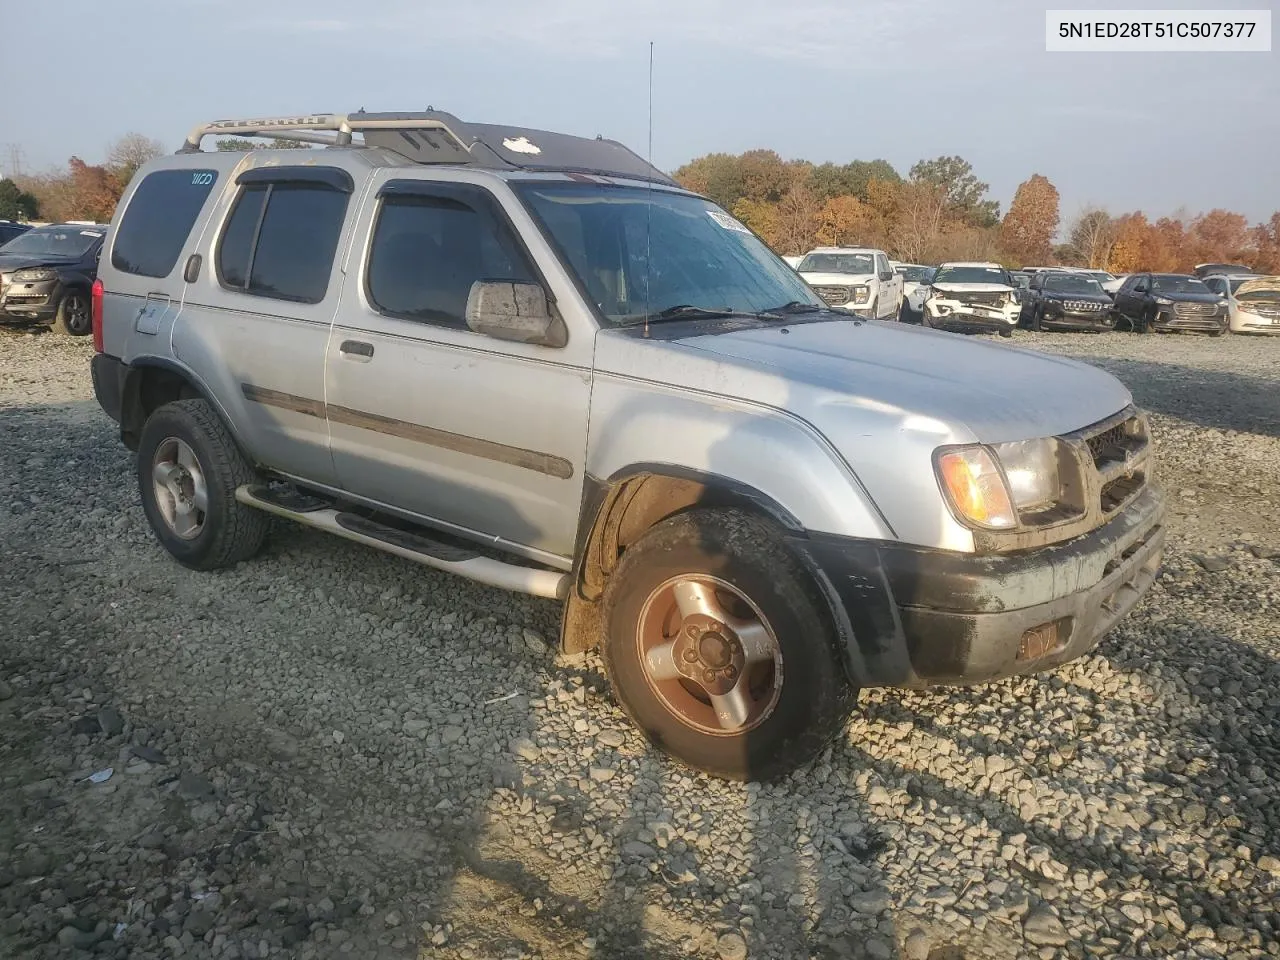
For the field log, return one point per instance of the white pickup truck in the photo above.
(856, 279)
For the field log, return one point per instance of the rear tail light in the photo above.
(98, 290)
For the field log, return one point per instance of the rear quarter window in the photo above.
(160, 215)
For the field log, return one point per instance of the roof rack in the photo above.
(435, 137)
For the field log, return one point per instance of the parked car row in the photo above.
(47, 274)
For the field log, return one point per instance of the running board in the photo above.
(418, 548)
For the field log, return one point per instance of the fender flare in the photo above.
(131, 422)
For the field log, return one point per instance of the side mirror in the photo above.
(515, 310)
(886, 276)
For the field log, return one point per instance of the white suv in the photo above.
(856, 279)
(972, 296)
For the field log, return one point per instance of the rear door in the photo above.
(155, 232)
(256, 320)
(890, 290)
(471, 433)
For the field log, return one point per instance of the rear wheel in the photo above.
(720, 647)
(1037, 319)
(74, 317)
(1217, 333)
(188, 470)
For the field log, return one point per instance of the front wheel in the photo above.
(1037, 320)
(188, 470)
(720, 647)
(1217, 333)
(74, 317)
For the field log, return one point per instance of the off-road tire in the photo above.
(74, 317)
(232, 531)
(815, 697)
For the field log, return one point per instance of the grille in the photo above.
(1082, 306)
(982, 299)
(1112, 449)
(834, 296)
(1110, 445)
(1195, 309)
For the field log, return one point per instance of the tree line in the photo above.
(83, 191)
(939, 211)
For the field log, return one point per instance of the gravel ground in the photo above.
(328, 752)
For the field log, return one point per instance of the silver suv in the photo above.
(535, 361)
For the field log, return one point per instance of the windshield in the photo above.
(971, 275)
(1068, 283)
(1176, 284)
(915, 274)
(67, 242)
(838, 263)
(638, 252)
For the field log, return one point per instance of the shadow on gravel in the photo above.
(1209, 397)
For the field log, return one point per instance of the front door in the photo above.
(468, 432)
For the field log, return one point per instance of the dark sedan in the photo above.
(1066, 301)
(47, 274)
(1168, 302)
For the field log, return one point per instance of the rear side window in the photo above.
(155, 225)
(280, 240)
(428, 250)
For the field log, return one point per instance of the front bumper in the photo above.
(921, 617)
(28, 302)
(1168, 320)
(1253, 323)
(961, 316)
(1068, 320)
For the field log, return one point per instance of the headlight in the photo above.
(989, 486)
(860, 294)
(1164, 301)
(31, 274)
(975, 487)
(1031, 469)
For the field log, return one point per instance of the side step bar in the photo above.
(507, 576)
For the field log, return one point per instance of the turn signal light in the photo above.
(975, 487)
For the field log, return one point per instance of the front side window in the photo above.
(155, 225)
(429, 249)
(639, 252)
(280, 240)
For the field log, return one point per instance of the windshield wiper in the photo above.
(687, 311)
(796, 306)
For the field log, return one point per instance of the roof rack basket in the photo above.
(436, 137)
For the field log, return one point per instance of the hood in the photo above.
(837, 279)
(896, 375)
(17, 261)
(1061, 295)
(1264, 288)
(971, 287)
(1209, 297)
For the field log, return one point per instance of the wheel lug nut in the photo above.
(709, 676)
(691, 632)
(690, 655)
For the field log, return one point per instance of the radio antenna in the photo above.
(648, 207)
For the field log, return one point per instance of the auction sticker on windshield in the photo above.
(727, 221)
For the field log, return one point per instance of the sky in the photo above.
(815, 79)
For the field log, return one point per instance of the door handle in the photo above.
(356, 350)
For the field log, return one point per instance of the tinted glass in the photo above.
(296, 243)
(914, 274)
(971, 275)
(639, 252)
(237, 239)
(1172, 283)
(155, 225)
(1072, 283)
(63, 241)
(855, 263)
(428, 251)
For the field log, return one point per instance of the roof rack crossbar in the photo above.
(308, 129)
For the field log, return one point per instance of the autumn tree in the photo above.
(797, 221)
(1218, 236)
(1093, 234)
(130, 152)
(921, 215)
(830, 180)
(95, 190)
(1265, 238)
(964, 193)
(846, 221)
(1130, 241)
(1032, 220)
(16, 203)
(760, 217)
